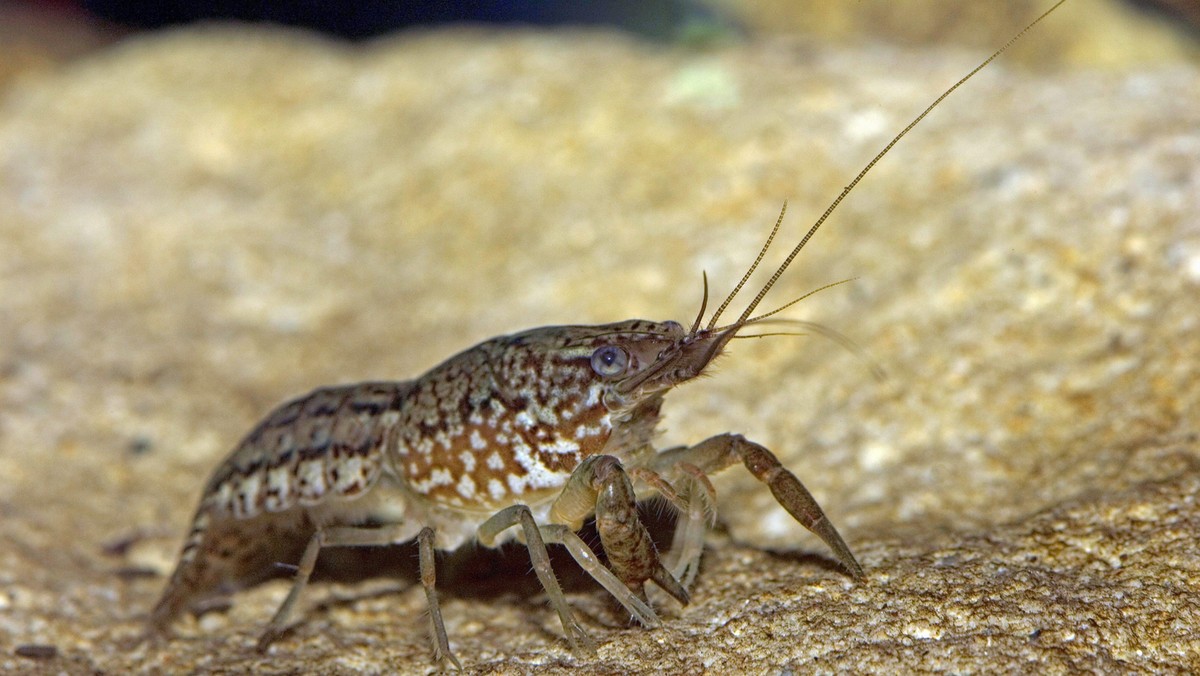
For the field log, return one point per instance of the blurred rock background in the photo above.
(199, 222)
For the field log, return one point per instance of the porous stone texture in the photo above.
(198, 225)
(1115, 34)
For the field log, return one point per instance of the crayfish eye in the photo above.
(609, 360)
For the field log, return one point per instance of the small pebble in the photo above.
(37, 651)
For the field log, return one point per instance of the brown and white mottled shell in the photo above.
(509, 420)
(326, 444)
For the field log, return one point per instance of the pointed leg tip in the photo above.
(671, 585)
(151, 637)
(446, 661)
(583, 645)
(264, 642)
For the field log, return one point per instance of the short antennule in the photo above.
(712, 322)
(703, 306)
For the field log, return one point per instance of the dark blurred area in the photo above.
(658, 20)
(1185, 13)
(360, 19)
(40, 34)
(37, 34)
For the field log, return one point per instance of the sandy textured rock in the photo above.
(199, 225)
(1108, 34)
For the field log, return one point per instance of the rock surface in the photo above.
(199, 225)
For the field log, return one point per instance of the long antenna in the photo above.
(846, 191)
